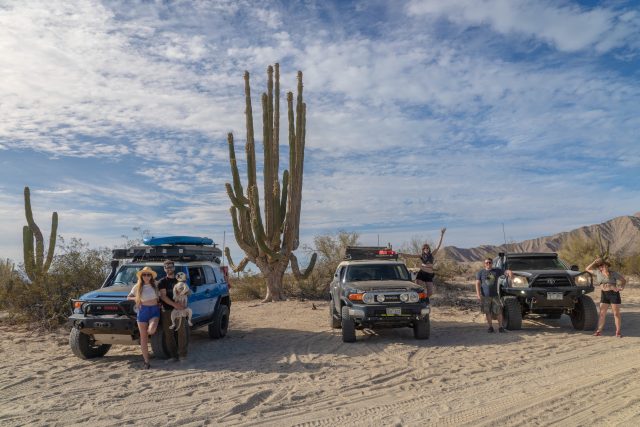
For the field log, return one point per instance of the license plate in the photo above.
(394, 311)
(102, 324)
(554, 295)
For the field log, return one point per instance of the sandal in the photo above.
(618, 334)
(597, 334)
(146, 365)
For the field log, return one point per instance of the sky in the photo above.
(465, 114)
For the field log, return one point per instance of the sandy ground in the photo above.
(282, 365)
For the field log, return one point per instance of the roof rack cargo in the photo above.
(172, 252)
(370, 252)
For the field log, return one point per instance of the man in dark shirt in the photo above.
(487, 293)
(165, 286)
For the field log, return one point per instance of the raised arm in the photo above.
(590, 267)
(442, 231)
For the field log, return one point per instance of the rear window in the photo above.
(541, 263)
(359, 273)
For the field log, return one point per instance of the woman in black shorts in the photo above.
(611, 284)
(426, 273)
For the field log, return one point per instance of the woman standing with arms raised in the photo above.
(611, 284)
(426, 273)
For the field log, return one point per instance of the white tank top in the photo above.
(148, 293)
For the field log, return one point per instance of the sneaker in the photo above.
(597, 333)
(490, 330)
(501, 330)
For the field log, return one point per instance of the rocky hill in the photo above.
(622, 232)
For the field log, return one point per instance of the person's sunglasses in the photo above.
(169, 267)
(145, 274)
(487, 262)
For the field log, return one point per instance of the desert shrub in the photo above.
(45, 303)
(447, 270)
(581, 251)
(248, 286)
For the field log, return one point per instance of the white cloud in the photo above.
(567, 27)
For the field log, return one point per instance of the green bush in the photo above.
(45, 303)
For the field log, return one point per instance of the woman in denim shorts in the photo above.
(145, 294)
(611, 284)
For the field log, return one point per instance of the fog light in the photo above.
(522, 292)
(380, 298)
(404, 297)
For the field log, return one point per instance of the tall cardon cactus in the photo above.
(35, 264)
(269, 244)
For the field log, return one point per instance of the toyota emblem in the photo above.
(551, 281)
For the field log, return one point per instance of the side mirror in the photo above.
(574, 268)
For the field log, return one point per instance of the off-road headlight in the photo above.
(380, 297)
(583, 279)
(409, 297)
(520, 282)
(368, 298)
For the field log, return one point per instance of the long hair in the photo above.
(139, 285)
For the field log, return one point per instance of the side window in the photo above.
(196, 275)
(209, 274)
(219, 274)
(342, 271)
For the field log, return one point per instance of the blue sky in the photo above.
(420, 114)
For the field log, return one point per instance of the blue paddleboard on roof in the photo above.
(177, 240)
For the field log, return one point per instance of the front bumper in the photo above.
(548, 298)
(388, 314)
(105, 324)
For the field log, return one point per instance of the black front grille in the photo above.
(391, 298)
(551, 281)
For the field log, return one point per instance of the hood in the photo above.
(531, 273)
(108, 293)
(370, 285)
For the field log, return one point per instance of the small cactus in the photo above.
(35, 264)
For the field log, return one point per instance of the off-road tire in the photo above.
(334, 321)
(584, 316)
(511, 314)
(218, 328)
(348, 326)
(422, 329)
(82, 346)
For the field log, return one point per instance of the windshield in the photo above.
(541, 263)
(359, 273)
(127, 275)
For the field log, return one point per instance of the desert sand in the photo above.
(282, 365)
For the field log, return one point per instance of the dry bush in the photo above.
(447, 270)
(247, 287)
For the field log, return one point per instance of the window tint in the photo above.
(341, 273)
(209, 274)
(196, 276)
(359, 273)
(536, 263)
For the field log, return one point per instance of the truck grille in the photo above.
(544, 281)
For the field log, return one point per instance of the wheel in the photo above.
(584, 316)
(218, 328)
(334, 322)
(422, 329)
(348, 326)
(511, 314)
(83, 347)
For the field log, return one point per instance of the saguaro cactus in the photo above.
(269, 244)
(35, 264)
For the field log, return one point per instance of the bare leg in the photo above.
(153, 325)
(490, 319)
(430, 289)
(617, 317)
(500, 320)
(603, 314)
(144, 340)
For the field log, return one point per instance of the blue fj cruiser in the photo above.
(105, 317)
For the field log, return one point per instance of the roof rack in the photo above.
(370, 252)
(172, 252)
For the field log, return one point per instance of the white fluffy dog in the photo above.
(180, 293)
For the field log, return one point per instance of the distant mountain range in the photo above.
(623, 234)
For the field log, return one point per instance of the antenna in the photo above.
(505, 236)
(378, 239)
(224, 237)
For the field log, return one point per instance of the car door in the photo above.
(198, 302)
(215, 283)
